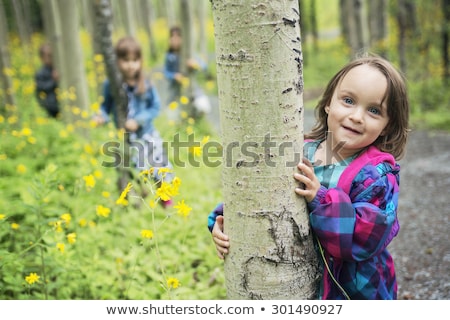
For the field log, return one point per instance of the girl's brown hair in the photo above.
(128, 45)
(395, 136)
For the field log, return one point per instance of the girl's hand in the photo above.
(220, 239)
(178, 77)
(99, 120)
(131, 125)
(308, 179)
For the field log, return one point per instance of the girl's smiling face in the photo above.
(357, 113)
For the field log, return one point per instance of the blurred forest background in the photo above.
(62, 234)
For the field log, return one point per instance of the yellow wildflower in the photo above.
(31, 140)
(98, 58)
(2, 216)
(21, 168)
(196, 151)
(66, 217)
(72, 238)
(164, 191)
(182, 208)
(88, 149)
(122, 199)
(97, 173)
(204, 140)
(26, 132)
(63, 133)
(15, 226)
(90, 181)
(173, 105)
(32, 278)
(60, 246)
(147, 234)
(173, 282)
(103, 211)
(106, 194)
(147, 172)
(82, 222)
(56, 225)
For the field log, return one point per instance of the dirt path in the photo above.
(422, 250)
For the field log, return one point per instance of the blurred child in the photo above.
(143, 107)
(172, 72)
(46, 79)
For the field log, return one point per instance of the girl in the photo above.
(175, 77)
(143, 108)
(350, 180)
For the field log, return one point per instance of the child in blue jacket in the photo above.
(350, 180)
(143, 108)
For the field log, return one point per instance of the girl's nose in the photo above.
(357, 114)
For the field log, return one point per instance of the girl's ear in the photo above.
(327, 109)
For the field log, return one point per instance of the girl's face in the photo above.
(357, 114)
(175, 41)
(130, 67)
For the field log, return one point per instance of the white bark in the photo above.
(260, 80)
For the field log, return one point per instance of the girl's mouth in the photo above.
(351, 129)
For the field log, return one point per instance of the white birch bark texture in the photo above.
(260, 81)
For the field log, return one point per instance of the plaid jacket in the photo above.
(354, 223)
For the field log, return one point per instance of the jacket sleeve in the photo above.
(218, 211)
(361, 224)
(108, 103)
(152, 107)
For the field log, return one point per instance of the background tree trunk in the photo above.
(446, 40)
(147, 17)
(24, 31)
(72, 71)
(187, 52)
(354, 25)
(128, 17)
(5, 63)
(260, 80)
(377, 16)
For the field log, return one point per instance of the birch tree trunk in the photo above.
(103, 35)
(260, 79)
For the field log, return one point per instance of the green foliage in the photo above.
(62, 234)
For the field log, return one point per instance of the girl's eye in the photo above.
(348, 100)
(374, 110)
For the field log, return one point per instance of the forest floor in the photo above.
(421, 250)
